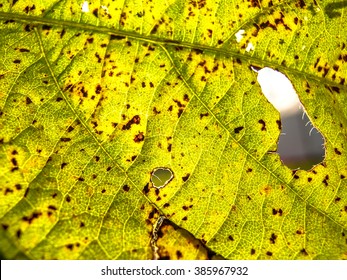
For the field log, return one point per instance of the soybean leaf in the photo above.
(96, 96)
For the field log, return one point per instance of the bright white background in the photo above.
(91, 270)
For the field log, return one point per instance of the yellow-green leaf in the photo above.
(96, 97)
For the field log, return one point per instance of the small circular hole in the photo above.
(161, 176)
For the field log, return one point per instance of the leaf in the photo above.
(92, 103)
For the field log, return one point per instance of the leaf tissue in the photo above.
(97, 97)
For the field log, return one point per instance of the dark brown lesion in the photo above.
(135, 120)
(263, 124)
(139, 137)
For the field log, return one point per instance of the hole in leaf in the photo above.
(301, 145)
(239, 35)
(85, 7)
(161, 176)
(278, 90)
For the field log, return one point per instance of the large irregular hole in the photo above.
(301, 145)
(279, 91)
(161, 176)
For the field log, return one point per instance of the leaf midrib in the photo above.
(168, 42)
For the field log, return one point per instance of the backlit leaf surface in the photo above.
(92, 101)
